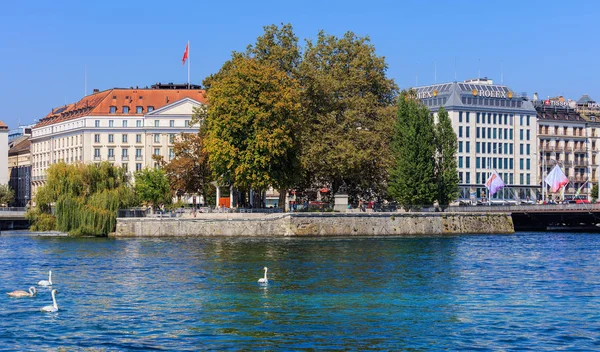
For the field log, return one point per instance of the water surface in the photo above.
(530, 291)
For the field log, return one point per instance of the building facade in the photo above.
(122, 126)
(19, 169)
(3, 155)
(496, 130)
(20, 131)
(568, 136)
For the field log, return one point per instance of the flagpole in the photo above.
(188, 60)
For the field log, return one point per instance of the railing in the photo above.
(21, 209)
(526, 208)
(125, 158)
(138, 157)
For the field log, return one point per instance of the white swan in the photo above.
(31, 293)
(46, 283)
(54, 306)
(264, 280)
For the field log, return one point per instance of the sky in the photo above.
(548, 47)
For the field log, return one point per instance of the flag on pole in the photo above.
(580, 188)
(185, 55)
(494, 183)
(556, 178)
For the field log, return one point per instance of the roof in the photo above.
(100, 103)
(3, 126)
(549, 113)
(584, 100)
(19, 145)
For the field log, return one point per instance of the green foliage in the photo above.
(152, 186)
(6, 195)
(594, 192)
(252, 123)
(412, 178)
(348, 109)
(86, 197)
(446, 172)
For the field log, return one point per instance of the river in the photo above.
(528, 291)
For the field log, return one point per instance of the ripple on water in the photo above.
(528, 291)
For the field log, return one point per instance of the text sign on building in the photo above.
(490, 94)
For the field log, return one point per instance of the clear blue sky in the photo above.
(549, 47)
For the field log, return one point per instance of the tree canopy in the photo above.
(152, 186)
(446, 173)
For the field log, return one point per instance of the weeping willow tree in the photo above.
(86, 199)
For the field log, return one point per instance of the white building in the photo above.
(4, 154)
(123, 126)
(496, 130)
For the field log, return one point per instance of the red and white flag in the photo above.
(185, 54)
(556, 178)
(494, 183)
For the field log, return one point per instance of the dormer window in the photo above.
(139, 109)
(150, 108)
(113, 109)
(126, 109)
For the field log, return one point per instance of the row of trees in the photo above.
(284, 118)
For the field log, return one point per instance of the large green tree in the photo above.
(252, 124)
(152, 186)
(446, 173)
(412, 178)
(348, 107)
(86, 199)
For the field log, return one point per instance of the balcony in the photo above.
(138, 158)
(111, 158)
(583, 162)
(580, 150)
(97, 158)
(125, 158)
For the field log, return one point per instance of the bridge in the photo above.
(13, 218)
(535, 217)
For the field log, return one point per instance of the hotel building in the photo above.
(496, 130)
(123, 126)
(568, 135)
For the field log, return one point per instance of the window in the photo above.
(139, 109)
(171, 138)
(478, 118)
(528, 164)
(528, 135)
(124, 123)
(138, 166)
(506, 119)
(494, 130)
(478, 162)
(521, 134)
(511, 133)
(521, 121)
(459, 131)
(528, 122)
(138, 153)
(111, 153)
(477, 132)
(111, 123)
(460, 177)
(96, 138)
(171, 153)
(156, 138)
(97, 153)
(467, 132)
(97, 123)
(528, 149)
(125, 109)
(521, 163)
(156, 123)
(483, 132)
(468, 147)
(187, 123)
(150, 108)
(460, 161)
(111, 138)
(494, 119)
(138, 138)
(468, 162)
(467, 116)
(460, 146)
(477, 147)
(521, 149)
(511, 148)
(510, 165)
(468, 177)
(113, 109)
(138, 123)
(489, 118)
(156, 151)
(124, 138)
(478, 175)
(460, 116)
(172, 123)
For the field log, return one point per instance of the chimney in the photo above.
(535, 96)
(96, 90)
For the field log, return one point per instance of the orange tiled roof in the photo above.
(98, 104)
(3, 126)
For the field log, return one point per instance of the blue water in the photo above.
(529, 291)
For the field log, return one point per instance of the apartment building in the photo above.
(496, 130)
(570, 139)
(123, 126)
(19, 169)
(3, 155)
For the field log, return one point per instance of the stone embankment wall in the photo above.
(317, 224)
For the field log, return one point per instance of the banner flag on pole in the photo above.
(556, 179)
(185, 55)
(494, 183)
